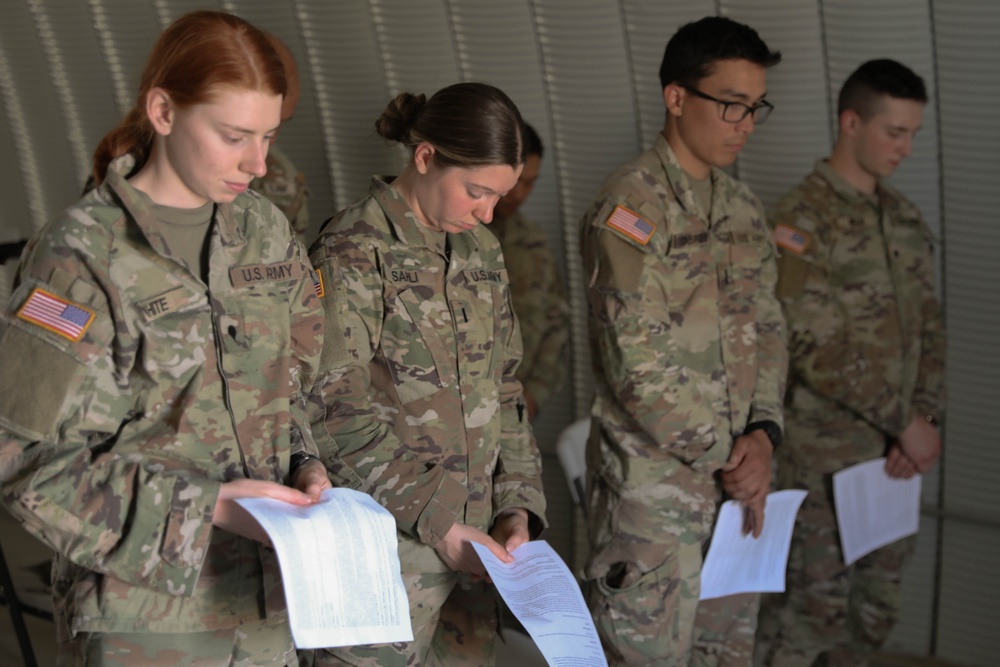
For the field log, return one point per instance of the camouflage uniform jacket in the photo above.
(866, 337)
(113, 447)
(688, 339)
(539, 299)
(421, 408)
(286, 188)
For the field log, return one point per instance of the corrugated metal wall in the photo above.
(584, 72)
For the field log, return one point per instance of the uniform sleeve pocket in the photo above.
(54, 375)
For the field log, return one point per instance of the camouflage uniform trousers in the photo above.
(454, 619)
(246, 645)
(657, 619)
(831, 614)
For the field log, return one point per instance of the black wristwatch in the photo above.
(298, 459)
(770, 429)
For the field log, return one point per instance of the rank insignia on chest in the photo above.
(791, 239)
(56, 315)
(631, 225)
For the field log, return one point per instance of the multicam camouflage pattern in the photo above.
(419, 397)
(113, 448)
(539, 298)
(689, 348)
(286, 188)
(867, 347)
(247, 645)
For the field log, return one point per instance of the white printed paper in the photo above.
(546, 598)
(340, 569)
(873, 509)
(738, 563)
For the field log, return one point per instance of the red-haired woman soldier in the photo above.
(156, 350)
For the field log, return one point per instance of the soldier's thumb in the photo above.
(735, 458)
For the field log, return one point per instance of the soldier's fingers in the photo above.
(758, 526)
(288, 495)
(495, 548)
(897, 464)
(736, 456)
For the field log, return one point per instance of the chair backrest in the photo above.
(572, 450)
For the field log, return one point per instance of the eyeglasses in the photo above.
(735, 112)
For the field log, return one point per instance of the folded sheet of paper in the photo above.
(873, 509)
(546, 598)
(738, 563)
(340, 569)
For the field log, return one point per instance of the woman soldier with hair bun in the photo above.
(156, 352)
(419, 395)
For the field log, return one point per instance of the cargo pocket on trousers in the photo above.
(636, 613)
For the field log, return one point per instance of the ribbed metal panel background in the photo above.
(647, 26)
(970, 595)
(125, 31)
(79, 78)
(968, 50)
(32, 109)
(585, 74)
(783, 150)
(587, 77)
(15, 210)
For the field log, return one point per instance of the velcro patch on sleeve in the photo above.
(791, 239)
(56, 314)
(317, 278)
(631, 224)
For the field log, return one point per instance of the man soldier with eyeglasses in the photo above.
(690, 359)
(867, 344)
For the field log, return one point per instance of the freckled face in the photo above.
(214, 150)
(456, 199)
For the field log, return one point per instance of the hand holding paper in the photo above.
(545, 597)
(740, 563)
(340, 569)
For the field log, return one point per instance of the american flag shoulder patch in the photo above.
(317, 277)
(631, 224)
(56, 314)
(791, 239)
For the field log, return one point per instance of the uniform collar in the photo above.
(678, 179)
(845, 190)
(409, 230)
(132, 201)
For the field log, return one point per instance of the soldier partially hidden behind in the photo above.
(536, 287)
(150, 379)
(690, 359)
(866, 338)
(283, 184)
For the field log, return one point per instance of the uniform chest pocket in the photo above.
(176, 325)
(484, 321)
(741, 274)
(413, 350)
(689, 281)
(861, 275)
(255, 318)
